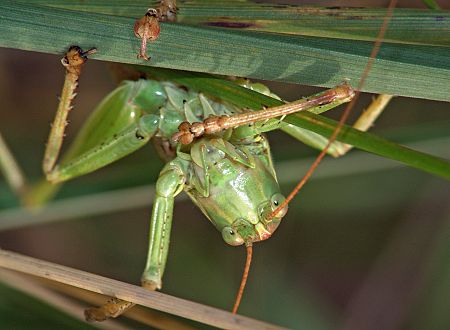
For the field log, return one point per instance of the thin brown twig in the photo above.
(143, 315)
(109, 287)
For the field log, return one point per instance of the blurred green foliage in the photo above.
(20, 311)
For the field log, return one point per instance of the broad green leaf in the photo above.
(408, 70)
(425, 27)
(229, 91)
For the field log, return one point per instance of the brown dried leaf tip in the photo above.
(147, 28)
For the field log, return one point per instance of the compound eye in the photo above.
(230, 236)
(276, 201)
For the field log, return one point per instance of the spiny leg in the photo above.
(338, 149)
(263, 120)
(115, 129)
(214, 124)
(108, 128)
(169, 184)
(107, 146)
(72, 61)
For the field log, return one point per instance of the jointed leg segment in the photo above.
(72, 61)
(317, 104)
(122, 144)
(109, 148)
(169, 184)
(214, 124)
(364, 122)
(172, 177)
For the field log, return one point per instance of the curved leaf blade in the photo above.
(417, 26)
(407, 70)
(229, 91)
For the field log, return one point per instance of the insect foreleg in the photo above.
(364, 122)
(118, 124)
(169, 184)
(132, 138)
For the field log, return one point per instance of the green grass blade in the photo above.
(374, 144)
(425, 27)
(407, 70)
(431, 4)
(229, 91)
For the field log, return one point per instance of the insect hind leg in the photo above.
(73, 61)
(364, 122)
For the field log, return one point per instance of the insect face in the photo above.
(240, 177)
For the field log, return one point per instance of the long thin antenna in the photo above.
(244, 278)
(346, 112)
